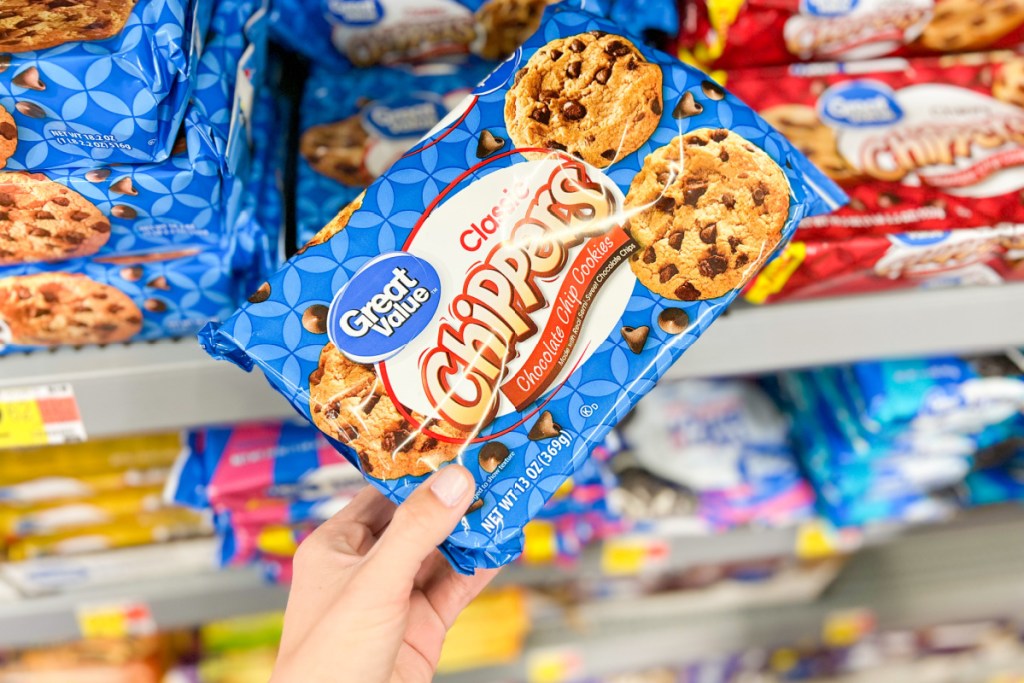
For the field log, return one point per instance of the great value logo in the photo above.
(860, 103)
(411, 116)
(354, 12)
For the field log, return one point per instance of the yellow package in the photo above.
(490, 632)
(169, 524)
(25, 519)
(92, 457)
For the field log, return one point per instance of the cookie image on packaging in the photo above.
(348, 402)
(959, 25)
(1008, 85)
(337, 150)
(50, 309)
(27, 25)
(336, 225)
(592, 95)
(707, 209)
(804, 128)
(8, 136)
(41, 220)
(504, 25)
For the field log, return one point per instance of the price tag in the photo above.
(115, 620)
(554, 666)
(39, 416)
(631, 555)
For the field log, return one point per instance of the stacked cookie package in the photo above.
(916, 108)
(127, 176)
(506, 291)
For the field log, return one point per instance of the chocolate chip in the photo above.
(712, 265)
(709, 234)
(6, 199)
(555, 144)
(598, 34)
(574, 69)
(541, 114)
(488, 144)
(687, 292)
(39, 232)
(656, 106)
(97, 175)
(665, 203)
(742, 260)
(573, 110)
(712, 90)
(759, 193)
(617, 48)
(734, 242)
(636, 337)
(5, 63)
(719, 134)
(666, 177)
(609, 154)
(667, 272)
(159, 282)
(154, 305)
(8, 130)
(31, 110)
(29, 78)
(697, 141)
(577, 45)
(673, 320)
(544, 428)
(477, 504)
(397, 441)
(649, 255)
(131, 273)
(549, 94)
(602, 75)
(519, 76)
(631, 65)
(675, 240)
(123, 211)
(687, 107)
(124, 186)
(79, 216)
(492, 455)
(61, 201)
(314, 319)
(728, 200)
(693, 194)
(723, 155)
(555, 55)
(101, 227)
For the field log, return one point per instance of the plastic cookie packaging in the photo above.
(513, 285)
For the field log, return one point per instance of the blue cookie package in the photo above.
(351, 134)
(474, 304)
(111, 92)
(361, 33)
(167, 258)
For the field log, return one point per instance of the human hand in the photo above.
(372, 598)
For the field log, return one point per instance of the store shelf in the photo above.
(969, 570)
(173, 384)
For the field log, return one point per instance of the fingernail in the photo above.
(450, 485)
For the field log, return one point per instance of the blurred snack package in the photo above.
(727, 34)
(82, 84)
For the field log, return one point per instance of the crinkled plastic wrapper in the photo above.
(510, 288)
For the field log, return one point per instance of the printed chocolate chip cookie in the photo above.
(1009, 82)
(336, 225)
(959, 25)
(802, 126)
(37, 24)
(592, 95)
(506, 24)
(347, 402)
(337, 149)
(41, 220)
(710, 208)
(49, 309)
(8, 136)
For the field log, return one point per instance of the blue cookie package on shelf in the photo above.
(349, 139)
(82, 84)
(516, 282)
(138, 252)
(361, 33)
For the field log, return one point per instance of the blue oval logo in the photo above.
(501, 75)
(828, 8)
(385, 305)
(354, 12)
(411, 116)
(920, 238)
(859, 104)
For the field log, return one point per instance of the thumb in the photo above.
(420, 524)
